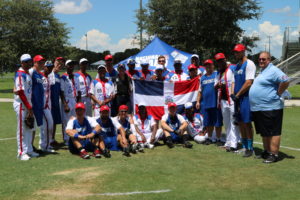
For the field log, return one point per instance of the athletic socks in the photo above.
(245, 143)
(80, 149)
(250, 144)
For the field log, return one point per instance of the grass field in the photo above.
(204, 172)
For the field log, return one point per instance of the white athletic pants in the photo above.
(88, 106)
(67, 115)
(158, 135)
(232, 131)
(46, 129)
(24, 134)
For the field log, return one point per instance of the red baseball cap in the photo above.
(103, 108)
(59, 58)
(171, 104)
(192, 66)
(208, 61)
(107, 57)
(80, 105)
(239, 47)
(219, 56)
(38, 58)
(123, 107)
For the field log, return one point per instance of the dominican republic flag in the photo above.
(157, 94)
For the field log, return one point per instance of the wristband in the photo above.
(95, 132)
(76, 136)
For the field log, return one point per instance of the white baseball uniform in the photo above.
(227, 106)
(101, 90)
(47, 127)
(178, 77)
(84, 82)
(24, 134)
(70, 89)
(195, 127)
(145, 127)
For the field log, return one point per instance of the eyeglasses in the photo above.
(160, 61)
(262, 59)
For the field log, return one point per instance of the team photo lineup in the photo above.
(111, 112)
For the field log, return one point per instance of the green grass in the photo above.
(204, 172)
(295, 91)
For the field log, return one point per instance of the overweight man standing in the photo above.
(266, 105)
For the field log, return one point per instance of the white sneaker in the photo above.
(150, 146)
(24, 157)
(33, 154)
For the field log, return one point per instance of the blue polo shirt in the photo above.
(209, 93)
(263, 92)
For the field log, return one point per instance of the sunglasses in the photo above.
(29, 61)
(262, 59)
(160, 61)
(123, 111)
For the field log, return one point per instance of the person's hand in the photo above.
(124, 141)
(198, 105)
(81, 137)
(234, 98)
(30, 112)
(177, 132)
(153, 77)
(90, 136)
(144, 138)
(66, 108)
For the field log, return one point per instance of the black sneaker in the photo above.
(248, 153)
(170, 144)
(263, 155)
(231, 149)
(219, 143)
(126, 151)
(271, 159)
(187, 144)
(208, 142)
(106, 153)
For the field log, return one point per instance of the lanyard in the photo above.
(47, 90)
(226, 86)
(103, 87)
(84, 80)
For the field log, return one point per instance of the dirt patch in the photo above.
(84, 179)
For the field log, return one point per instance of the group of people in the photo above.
(98, 115)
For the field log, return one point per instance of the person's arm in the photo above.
(250, 74)
(96, 128)
(72, 132)
(184, 124)
(165, 126)
(198, 100)
(246, 86)
(282, 87)
(154, 130)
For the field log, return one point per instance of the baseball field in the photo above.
(204, 172)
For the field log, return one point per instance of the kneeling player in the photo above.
(127, 123)
(109, 132)
(195, 124)
(83, 132)
(146, 128)
(174, 128)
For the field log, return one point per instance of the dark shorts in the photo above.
(86, 144)
(268, 123)
(213, 117)
(111, 142)
(55, 110)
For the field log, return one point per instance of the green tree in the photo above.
(29, 26)
(205, 27)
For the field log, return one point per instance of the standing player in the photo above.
(84, 80)
(55, 95)
(178, 74)
(196, 61)
(225, 89)
(47, 127)
(212, 114)
(132, 72)
(84, 134)
(69, 95)
(111, 72)
(174, 127)
(244, 73)
(23, 108)
(192, 71)
(195, 126)
(146, 128)
(159, 74)
(146, 74)
(37, 91)
(101, 90)
(109, 132)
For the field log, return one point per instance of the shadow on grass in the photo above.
(281, 155)
(6, 91)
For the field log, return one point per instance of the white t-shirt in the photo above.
(144, 125)
(250, 70)
(102, 90)
(81, 128)
(180, 119)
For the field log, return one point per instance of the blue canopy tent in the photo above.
(156, 48)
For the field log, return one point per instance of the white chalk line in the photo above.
(285, 147)
(130, 193)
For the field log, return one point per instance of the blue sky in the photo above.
(110, 23)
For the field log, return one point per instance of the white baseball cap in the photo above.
(83, 60)
(159, 67)
(195, 55)
(101, 66)
(25, 57)
(188, 105)
(68, 62)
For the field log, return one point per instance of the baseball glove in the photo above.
(29, 121)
